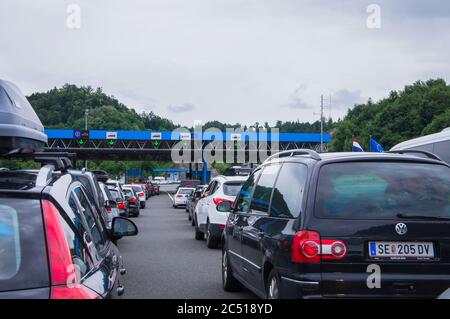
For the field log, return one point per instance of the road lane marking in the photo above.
(171, 198)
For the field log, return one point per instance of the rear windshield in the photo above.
(137, 189)
(115, 194)
(128, 192)
(379, 190)
(185, 191)
(232, 189)
(189, 183)
(23, 257)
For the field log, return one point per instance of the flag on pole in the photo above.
(356, 146)
(375, 146)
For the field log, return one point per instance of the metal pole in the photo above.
(86, 113)
(321, 123)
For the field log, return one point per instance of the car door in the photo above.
(202, 204)
(236, 220)
(252, 232)
(107, 259)
(209, 200)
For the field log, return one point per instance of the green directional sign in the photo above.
(156, 143)
(237, 144)
(81, 142)
(112, 142)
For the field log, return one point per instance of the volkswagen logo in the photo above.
(401, 228)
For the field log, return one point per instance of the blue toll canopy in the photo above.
(206, 136)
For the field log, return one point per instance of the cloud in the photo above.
(180, 108)
(296, 100)
(344, 99)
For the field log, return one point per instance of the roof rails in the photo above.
(290, 153)
(51, 161)
(428, 154)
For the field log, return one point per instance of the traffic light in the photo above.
(81, 142)
(112, 142)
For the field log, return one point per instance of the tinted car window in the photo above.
(263, 190)
(243, 201)
(115, 194)
(185, 191)
(80, 256)
(93, 224)
(128, 192)
(232, 188)
(23, 255)
(377, 190)
(289, 190)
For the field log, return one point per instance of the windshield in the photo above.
(23, 257)
(377, 190)
(232, 189)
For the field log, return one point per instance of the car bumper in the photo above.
(179, 202)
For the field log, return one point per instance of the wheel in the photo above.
(192, 222)
(174, 206)
(199, 235)
(189, 215)
(229, 283)
(273, 285)
(211, 242)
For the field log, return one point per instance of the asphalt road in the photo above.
(165, 261)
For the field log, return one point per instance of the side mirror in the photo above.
(224, 207)
(123, 227)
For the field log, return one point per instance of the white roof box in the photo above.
(21, 131)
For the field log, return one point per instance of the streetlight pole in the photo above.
(86, 113)
(321, 123)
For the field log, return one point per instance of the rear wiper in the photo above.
(424, 217)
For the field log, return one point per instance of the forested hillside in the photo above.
(64, 108)
(420, 109)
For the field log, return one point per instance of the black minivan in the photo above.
(335, 225)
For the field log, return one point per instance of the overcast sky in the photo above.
(228, 60)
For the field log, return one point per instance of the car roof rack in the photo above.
(50, 161)
(428, 154)
(290, 153)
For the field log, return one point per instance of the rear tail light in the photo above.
(121, 205)
(307, 247)
(221, 227)
(141, 194)
(108, 209)
(63, 275)
(133, 200)
(218, 200)
(179, 196)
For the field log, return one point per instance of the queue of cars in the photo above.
(332, 225)
(59, 227)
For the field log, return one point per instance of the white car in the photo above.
(181, 196)
(110, 204)
(207, 219)
(139, 190)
